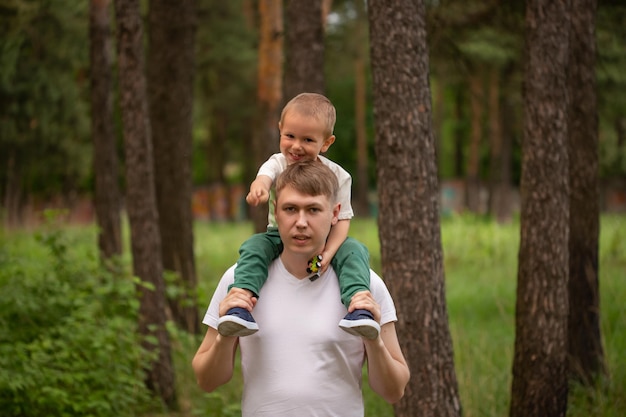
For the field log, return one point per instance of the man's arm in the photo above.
(214, 361)
(388, 371)
(338, 234)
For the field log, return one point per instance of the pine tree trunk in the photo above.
(585, 343)
(269, 92)
(304, 48)
(540, 364)
(472, 187)
(361, 189)
(408, 190)
(170, 86)
(107, 198)
(141, 199)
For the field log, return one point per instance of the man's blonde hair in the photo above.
(313, 105)
(311, 178)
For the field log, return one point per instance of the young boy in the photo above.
(306, 129)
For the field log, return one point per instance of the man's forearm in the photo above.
(214, 362)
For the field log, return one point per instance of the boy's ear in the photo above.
(329, 141)
(336, 209)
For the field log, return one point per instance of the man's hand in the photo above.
(237, 297)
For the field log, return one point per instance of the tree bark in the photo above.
(141, 199)
(500, 154)
(361, 189)
(269, 92)
(472, 188)
(585, 343)
(409, 228)
(107, 198)
(540, 368)
(170, 86)
(304, 48)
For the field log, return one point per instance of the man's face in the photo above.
(304, 221)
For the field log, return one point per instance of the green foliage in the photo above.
(43, 78)
(68, 339)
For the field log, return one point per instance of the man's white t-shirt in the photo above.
(277, 164)
(300, 363)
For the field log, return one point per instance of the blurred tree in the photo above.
(107, 198)
(269, 92)
(170, 88)
(540, 363)
(585, 342)
(409, 228)
(45, 147)
(226, 69)
(141, 200)
(304, 48)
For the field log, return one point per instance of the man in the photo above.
(303, 365)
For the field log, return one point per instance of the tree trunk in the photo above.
(410, 236)
(170, 86)
(472, 188)
(361, 189)
(459, 131)
(107, 198)
(540, 368)
(269, 92)
(499, 177)
(141, 199)
(585, 343)
(304, 48)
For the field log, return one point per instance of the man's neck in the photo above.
(296, 264)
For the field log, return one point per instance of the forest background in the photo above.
(47, 156)
(46, 152)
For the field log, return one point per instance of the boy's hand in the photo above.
(259, 191)
(327, 256)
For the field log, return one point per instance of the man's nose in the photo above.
(301, 221)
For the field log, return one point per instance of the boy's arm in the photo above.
(259, 190)
(338, 234)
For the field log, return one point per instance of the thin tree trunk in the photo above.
(269, 92)
(472, 188)
(170, 82)
(107, 198)
(361, 203)
(585, 342)
(141, 199)
(410, 236)
(540, 364)
(499, 205)
(304, 48)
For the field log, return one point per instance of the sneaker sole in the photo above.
(233, 326)
(363, 328)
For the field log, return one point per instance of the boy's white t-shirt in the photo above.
(300, 363)
(277, 164)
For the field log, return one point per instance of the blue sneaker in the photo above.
(360, 323)
(237, 322)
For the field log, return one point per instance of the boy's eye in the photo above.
(309, 140)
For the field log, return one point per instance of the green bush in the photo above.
(68, 340)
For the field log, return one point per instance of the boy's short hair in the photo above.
(310, 178)
(313, 105)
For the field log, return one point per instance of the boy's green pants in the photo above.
(351, 264)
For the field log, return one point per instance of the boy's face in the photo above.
(304, 221)
(302, 137)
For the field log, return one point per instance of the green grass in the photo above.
(481, 272)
